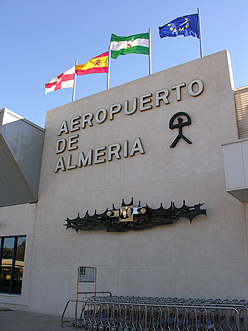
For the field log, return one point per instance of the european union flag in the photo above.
(185, 25)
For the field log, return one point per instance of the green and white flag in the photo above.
(137, 43)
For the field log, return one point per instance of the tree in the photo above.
(20, 251)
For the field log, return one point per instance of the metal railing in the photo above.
(85, 297)
(114, 313)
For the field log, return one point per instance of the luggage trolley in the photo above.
(113, 313)
(85, 274)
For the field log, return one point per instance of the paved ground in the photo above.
(13, 320)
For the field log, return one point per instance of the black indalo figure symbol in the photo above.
(179, 125)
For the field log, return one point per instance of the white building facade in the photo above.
(159, 139)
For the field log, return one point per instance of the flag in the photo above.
(96, 65)
(185, 25)
(64, 80)
(137, 43)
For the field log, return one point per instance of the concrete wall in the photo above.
(207, 258)
(21, 144)
(236, 169)
(19, 221)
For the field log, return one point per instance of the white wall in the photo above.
(207, 258)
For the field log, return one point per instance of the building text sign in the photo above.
(69, 130)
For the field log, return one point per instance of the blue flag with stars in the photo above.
(187, 25)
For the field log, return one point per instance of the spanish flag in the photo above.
(96, 65)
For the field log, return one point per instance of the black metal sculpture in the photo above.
(179, 125)
(129, 217)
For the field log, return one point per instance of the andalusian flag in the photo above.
(137, 43)
(96, 65)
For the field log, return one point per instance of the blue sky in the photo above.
(40, 39)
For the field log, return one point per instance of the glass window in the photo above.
(11, 264)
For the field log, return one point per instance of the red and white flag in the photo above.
(64, 80)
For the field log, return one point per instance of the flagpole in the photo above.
(108, 68)
(200, 39)
(74, 84)
(150, 52)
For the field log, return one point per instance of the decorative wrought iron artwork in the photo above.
(128, 217)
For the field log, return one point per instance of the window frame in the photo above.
(13, 263)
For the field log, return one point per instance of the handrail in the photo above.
(93, 292)
(76, 301)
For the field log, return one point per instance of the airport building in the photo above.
(146, 183)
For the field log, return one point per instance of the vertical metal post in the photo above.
(200, 37)
(74, 84)
(76, 297)
(150, 52)
(237, 319)
(95, 282)
(145, 318)
(245, 314)
(109, 54)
